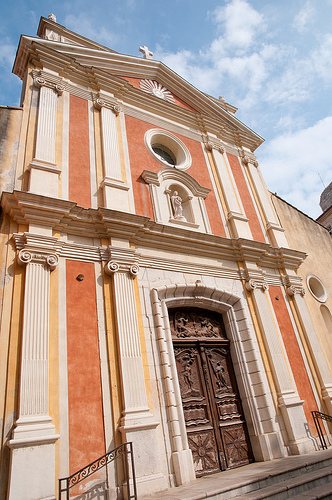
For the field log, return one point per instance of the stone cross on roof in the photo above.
(147, 54)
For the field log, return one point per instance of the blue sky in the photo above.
(271, 59)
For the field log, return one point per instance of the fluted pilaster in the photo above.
(44, 173)
(33, 439)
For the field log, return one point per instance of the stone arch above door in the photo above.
(248, 366)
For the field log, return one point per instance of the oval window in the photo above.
(316, 288)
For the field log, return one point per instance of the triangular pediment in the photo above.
(71, 51)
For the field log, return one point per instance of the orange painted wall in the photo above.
(141, 159)
(85, 408)
(294, 355)
(79, 152)
(246, 199)
(136, 81)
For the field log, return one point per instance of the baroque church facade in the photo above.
(150, 293)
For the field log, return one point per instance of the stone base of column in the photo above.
(44, 178)
(267, 447)
(183, 465)
(296, 425)
(115, 194)
(139, 427)
(32, 464)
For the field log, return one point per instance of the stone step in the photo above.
(298, 486)
(252, 479)
(320, 493)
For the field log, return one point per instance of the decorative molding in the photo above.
(64, 216)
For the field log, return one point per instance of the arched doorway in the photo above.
(216, 429)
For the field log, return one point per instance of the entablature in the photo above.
(66, 217)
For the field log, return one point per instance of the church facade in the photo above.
(149, 291)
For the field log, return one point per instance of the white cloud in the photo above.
(85, 25)
(322, 58)
(304, 18)
(7, 53)
(291, 162)
(239, 23)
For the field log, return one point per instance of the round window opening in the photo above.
(164, 153)
(167, 149)
(316, 288)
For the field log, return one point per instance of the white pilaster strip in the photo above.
(110, 144)
(65, 147)
(45, 143)
(33, 440)
(134, 393)
(63, 373)
(92, 150)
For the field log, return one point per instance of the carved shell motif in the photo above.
(155, 88)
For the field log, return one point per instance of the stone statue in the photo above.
(177, 206)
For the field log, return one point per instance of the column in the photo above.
(44, 173)
(114, 188)
(33, 440)
(274, 229)
(289, 402)
(137, 423)
(235, 212)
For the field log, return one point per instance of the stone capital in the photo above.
(292, 290)
(255, 279)
(24, 257)
(123, 260)
(37, 249)
(249, 159)
(101, 102)
(252, 284)
(210, 145)
(113, 267)
(293, 285)
(41, 81)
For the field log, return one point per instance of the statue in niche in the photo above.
(177, 206)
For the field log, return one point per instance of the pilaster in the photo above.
(33, 440)
(273, 228)
(114, 188)
(44, 173)
(235, 211)
(289, 403)
(296, 293)
(137, 423)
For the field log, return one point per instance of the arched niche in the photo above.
(164, 184)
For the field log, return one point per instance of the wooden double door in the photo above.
(216, 428)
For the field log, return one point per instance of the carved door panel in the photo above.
(227, 406)
(216, 429)
(202, 437)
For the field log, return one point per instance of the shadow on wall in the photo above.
(97, 492)
(310, 436)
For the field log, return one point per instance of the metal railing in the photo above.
(317, 416)
(125, 449)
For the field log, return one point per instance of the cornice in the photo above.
(98, 69)
(67, 217)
